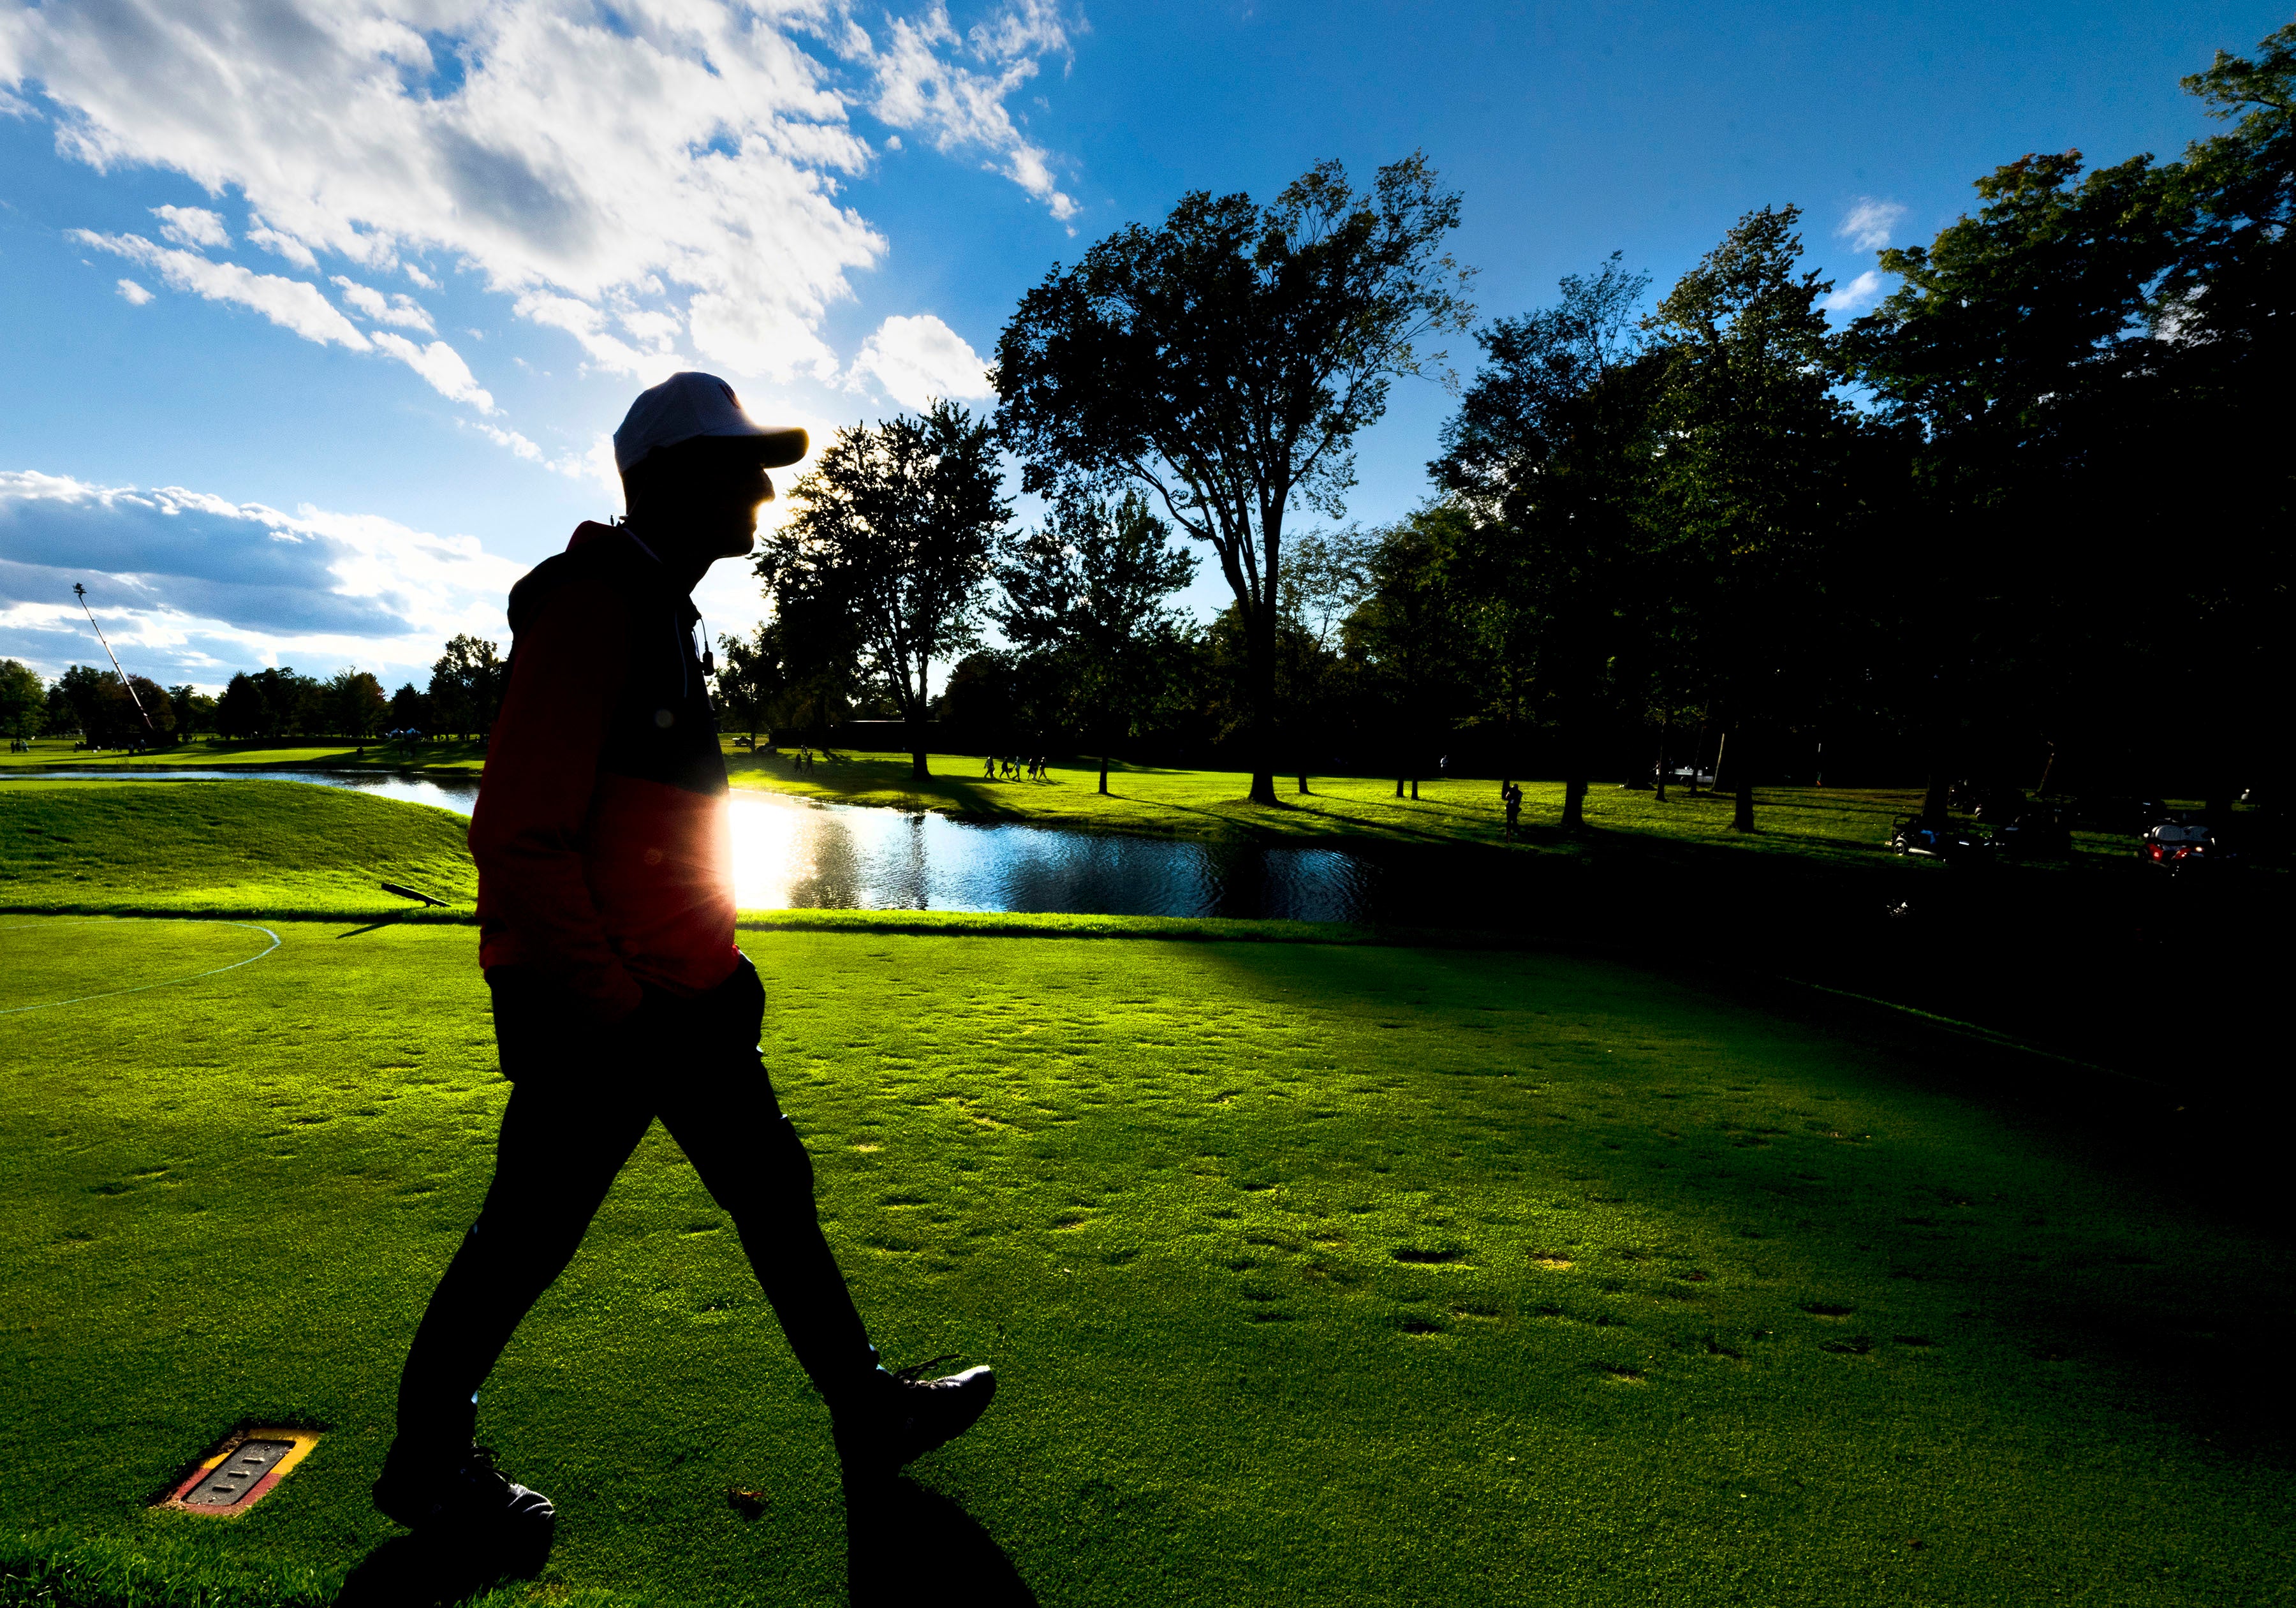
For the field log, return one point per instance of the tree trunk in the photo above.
(1742, 817)
(1103, 774)
(1658, 772)
(1260, 655)
(1574, 803)
(1303, 781)
(1414, 790)
(1399, 787)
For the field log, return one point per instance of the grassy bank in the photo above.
(250, 848)
(1313, 1274)
(439, 754)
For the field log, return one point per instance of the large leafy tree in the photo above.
(1753, 480)
(1226, 359)
(467, 682)
(354, 703)
(23, 700)
(893, 535)
(1554, 451)
(1087, 591)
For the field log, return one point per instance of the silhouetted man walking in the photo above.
(606, 923)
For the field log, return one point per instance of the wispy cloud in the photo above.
(398, 308)
(1858, 295)
(1869, 224)
(291, 304)
(923, 83)
(194, 226)
(136, 294)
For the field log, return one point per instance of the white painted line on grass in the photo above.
(47, 1005)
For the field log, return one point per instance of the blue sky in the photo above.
(318, 314)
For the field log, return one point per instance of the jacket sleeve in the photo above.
(542, 768)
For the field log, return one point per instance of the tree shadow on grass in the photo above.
(905, 1544)
(430, 1572)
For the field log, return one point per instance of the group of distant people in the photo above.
(1014, 768)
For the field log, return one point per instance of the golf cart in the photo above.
(2178, 845)
(1926, 837)
(2035, 829)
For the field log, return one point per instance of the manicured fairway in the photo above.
(1314, 1274)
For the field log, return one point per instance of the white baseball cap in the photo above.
(688, 405)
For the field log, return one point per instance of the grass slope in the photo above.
(1313, 1274)
(208, 753)
(253, 848)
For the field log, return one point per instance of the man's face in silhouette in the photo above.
(700, 498)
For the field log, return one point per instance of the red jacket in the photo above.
(604, 853)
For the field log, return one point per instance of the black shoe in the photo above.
(898, 1416)
(465, 1493)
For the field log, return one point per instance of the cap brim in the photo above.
(774, 449)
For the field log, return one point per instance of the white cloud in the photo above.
(519, 446)
(419, 276)
(1869, 224)
(683, 157)
(135, 293)
(920, 86)
(193, 227)
(915, 360)
(1858, 295)
(289, 303)
(280, 245)
(191, 586)
(439, 364)
(398, 308)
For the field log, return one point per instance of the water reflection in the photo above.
(793, 853)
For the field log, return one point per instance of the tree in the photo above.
(194, 711)
(1552, 451)
(466, 685)
(749, 680)
(23, 700)
(1325, 574)
(892, 534)
(1087, 589)
(355, 704)
(1406, 631)
(410, 710)
(1752, 474)
(1226, 360)
(239, 712)
(105, 714)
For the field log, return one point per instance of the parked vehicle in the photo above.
(2180, 845)
(2036, 829)
(1925, 837)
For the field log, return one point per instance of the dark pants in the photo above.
(583, 1096)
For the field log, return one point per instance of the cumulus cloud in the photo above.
(923, 85)
(193, 227)
(680, 159)
(398, 308)
(137, 294)
(913, 360)
(191, 586)
(289, 303)
(1858, 295)
(1868, 225)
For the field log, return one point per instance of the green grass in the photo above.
(204, 753)
(1830, 824)
(255, 847)
(1312, 1273)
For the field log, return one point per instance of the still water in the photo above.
(791, 853)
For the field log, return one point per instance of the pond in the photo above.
(791, 853)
